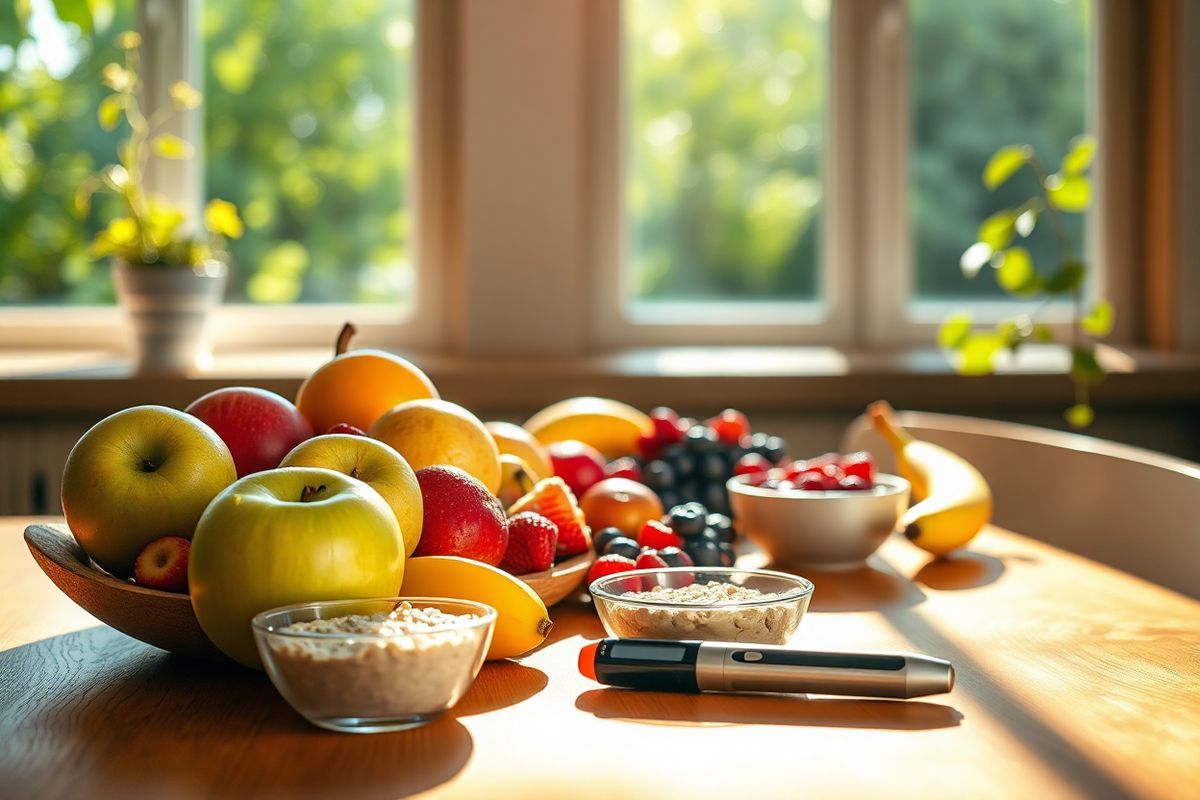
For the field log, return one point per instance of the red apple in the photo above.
(345, 427)
(579, 464)
(258, 426)
(462, 518)
(163, 564)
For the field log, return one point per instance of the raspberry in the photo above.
(657, 535)
(831, 476)
(608, 565)
(860, 465)
(853, 483)
(531, 543)
(731, 425)
(649, 559)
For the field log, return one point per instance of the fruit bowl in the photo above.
(819, 529)
(561, 580)
(161, 619)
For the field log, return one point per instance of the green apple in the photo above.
(137, 476)
(375, 464)
(290, 535)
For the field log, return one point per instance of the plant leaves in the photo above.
(221, 218)
(1099, 321)
(1016, 274)
(1073, 193)
(1085, 368)
(954, 331)
(1067, 279)
(1026, 221)
(1079, 157)
(974, 257)
(109, 112)
(1004, 162)
(1079, 415)
(976, 353)
(170, 146)
(997, 230)
(1042, 333)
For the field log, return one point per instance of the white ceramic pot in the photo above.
(169, 309)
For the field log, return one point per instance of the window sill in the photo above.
(781, 379)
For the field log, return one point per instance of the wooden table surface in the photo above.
(1073, 680)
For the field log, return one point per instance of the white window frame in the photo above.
(172, 50)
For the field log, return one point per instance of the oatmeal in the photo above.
(765, 623)
(398, 674)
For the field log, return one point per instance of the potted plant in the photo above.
(168, 276)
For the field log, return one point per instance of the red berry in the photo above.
(649, 559)
(853, 483)
(860, 464)
(532, 540)
(823, 460)
(345, 427)
(811, 481)
(666, 427)
(674, 557)
(608, 565)
(624, 468)
(731, 425)
(831, 476)
(783, 486)
(751, 464)
(795, 469)
(657, 535)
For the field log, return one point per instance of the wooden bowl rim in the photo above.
(563, 570)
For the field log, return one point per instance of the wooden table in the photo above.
(1073, 680)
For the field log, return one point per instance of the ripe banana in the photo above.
(522, 622)
(610, 426)
(952, 500)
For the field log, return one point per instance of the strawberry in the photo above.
(608, 565)
(531, 542)
(553, 500)
(649, 559)
(657, 535)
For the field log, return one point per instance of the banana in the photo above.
(952, 500)
(522, 622)
(610, 426)
(516, 479)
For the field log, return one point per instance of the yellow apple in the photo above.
(291, 535)
(516, 441)
(139, 475)
(375, 464)
(432, 432)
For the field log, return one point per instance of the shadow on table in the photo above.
(872, 587)
(752, 709)
(125, 719)
(965, 569)
(501, 684)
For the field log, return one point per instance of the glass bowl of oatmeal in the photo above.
(367, 666)
(704, 603)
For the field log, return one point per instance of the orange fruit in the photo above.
(359, 386)
(620, 503)
(428, 432)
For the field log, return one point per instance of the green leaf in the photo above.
(1067, 279)
(1099, 321)
(974, 257)
(1016, 274)
(1085, 368)
(1073, 193)
(1042, 333)
(976, 353)
(997, 230)
(1079, 415)
(954, 331)
(1006, 161)
(1026, 221)
(170, 146)
(76, 11)
(109, 112)
(1079, 157)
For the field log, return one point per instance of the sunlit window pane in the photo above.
(984, 74)
(726, 105)
(308, 128)
(50, 140)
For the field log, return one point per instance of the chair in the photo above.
(1133, 509)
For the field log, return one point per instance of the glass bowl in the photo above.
(682, 603)
(373, 682)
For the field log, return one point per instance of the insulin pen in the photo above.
(672, 666)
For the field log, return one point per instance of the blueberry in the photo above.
(600, 540)
(668, 497)
(700, 439)
(706, 554)
(683, 462)
(623, 546)
(672, 451)
(688, 489)
(719, 522)
(758, 443)
(727, 554)
(675, 557)
(776, 449)
(709, 535)
(713, 468)
(658, 475)
(716, 498)
(687, 520)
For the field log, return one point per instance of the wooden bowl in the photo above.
(166, 619)
(561, 580)
(162, 619)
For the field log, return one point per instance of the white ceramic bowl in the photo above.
(819, 529)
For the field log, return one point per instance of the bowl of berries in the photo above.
(830, 512)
